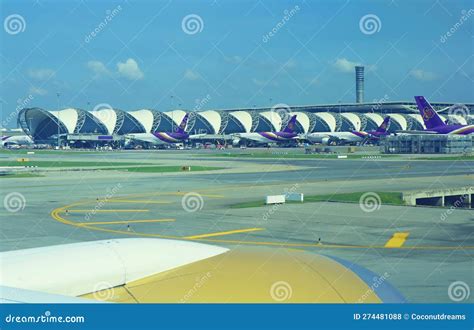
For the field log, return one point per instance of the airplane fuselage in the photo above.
(159, 138)
(344, 137)
(268, 137)
(16, 140)
(454, 129)
(349, 137)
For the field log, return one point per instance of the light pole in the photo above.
(172, 113)
(271, 116)
(59, 120)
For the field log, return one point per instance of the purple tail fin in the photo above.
(182, 126)
(383, 127)
(290, 127)
(429, 115)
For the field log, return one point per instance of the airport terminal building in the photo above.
(44, 125)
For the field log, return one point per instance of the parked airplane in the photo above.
(16, 140)
(433, 122)
(351, 137)
(287, 134)
(179, 135)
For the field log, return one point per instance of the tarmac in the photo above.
(430, 247)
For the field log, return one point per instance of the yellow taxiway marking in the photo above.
(132, 201)
(202, 195)
(97, 211)
(397, 240)
(222, 233)
(56, 215)
(123, 222)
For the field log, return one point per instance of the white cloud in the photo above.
(345, 65)
(98, 68)
(41, 74)
(191, 75)
(38, 90)
(423, 75)
(130, 70)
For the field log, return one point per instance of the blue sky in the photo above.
(143, 58)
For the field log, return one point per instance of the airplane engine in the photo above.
(326, 140)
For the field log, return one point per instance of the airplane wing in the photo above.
(336, 137)
(9, 295)
(148, 270)
(60, 270)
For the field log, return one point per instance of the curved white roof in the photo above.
(458, 119)
(303, 119)
(417, 118)
(353, 119)
(398, 118)
(108, 117)
(243, 117)
(274, 118)
(444, 109)
(328, 118)
(144, 117)
(176, 115)
(213, 117)
(377, 118)
(68, 117)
